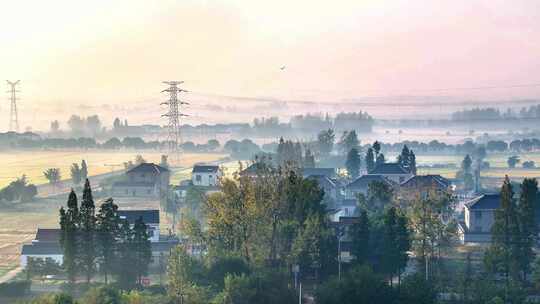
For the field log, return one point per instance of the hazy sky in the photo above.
(116, 53)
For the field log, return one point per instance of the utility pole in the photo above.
(174, 113)
(13, 117)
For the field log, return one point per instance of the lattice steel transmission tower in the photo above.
(13, 116)
(174, 137)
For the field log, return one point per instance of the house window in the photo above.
(478, 215)
(198, 178)
(209, 176)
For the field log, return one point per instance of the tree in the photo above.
(395, 242)
(181, 272)
(527, 209)
(55, 126)
(325, 141)
(529, 164)
(125, 270)
(504, 251)
(164, 161)
(403, 158)
(75, 174)
(112, 143)
(370, 160)
(380, 160)
(88, 233)
(353, 163)
(360, 285)
(139, 160)
(376, 147)
(433, 229)
(513, 161)
(213, 144)
(93, 124)
(52, 175)
(68, 240)
(117, 124)
(360, 239)
(108, 228)
(465, 173)
(349, 140)
(309, 159)
(142, 249)
(84, 170)
(76, 124)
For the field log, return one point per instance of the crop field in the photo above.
(21, 220)
(498, 166)
(32, 163)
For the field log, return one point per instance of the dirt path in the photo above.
(11, 274)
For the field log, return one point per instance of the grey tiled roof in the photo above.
(48, 235)
(363, 181)
(389, 168)
(148, 168)
(485, 202)
(205, 169)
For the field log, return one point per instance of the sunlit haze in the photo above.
(109, 57)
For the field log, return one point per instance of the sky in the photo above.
(110, 57)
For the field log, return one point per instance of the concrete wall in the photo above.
(205, 179)
(129, 191)
(58, 258)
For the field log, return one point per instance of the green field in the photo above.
(498, 166)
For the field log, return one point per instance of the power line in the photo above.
(174, 137)
(13, 116)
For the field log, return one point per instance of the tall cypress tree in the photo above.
(529, 228)
(412, 162)
(370, 160)
(389, 258)
(69, 220)
(360, 237)
(108, 229)
(84, 170)
(142, 249)
(353, 163)
(88, 232)
(505, 244)
(404, 242)
(124, 269)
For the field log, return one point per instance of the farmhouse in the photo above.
(206, 176)
(46, 243)
(143, 180)
(479, 217)
(149, 217)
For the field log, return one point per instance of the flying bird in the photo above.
(282, 68)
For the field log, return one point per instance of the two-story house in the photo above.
(46, 243)
(479, 217)
(149, 217)
(424, 185)
(143, 180)
(205, 175)
(392, 171)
